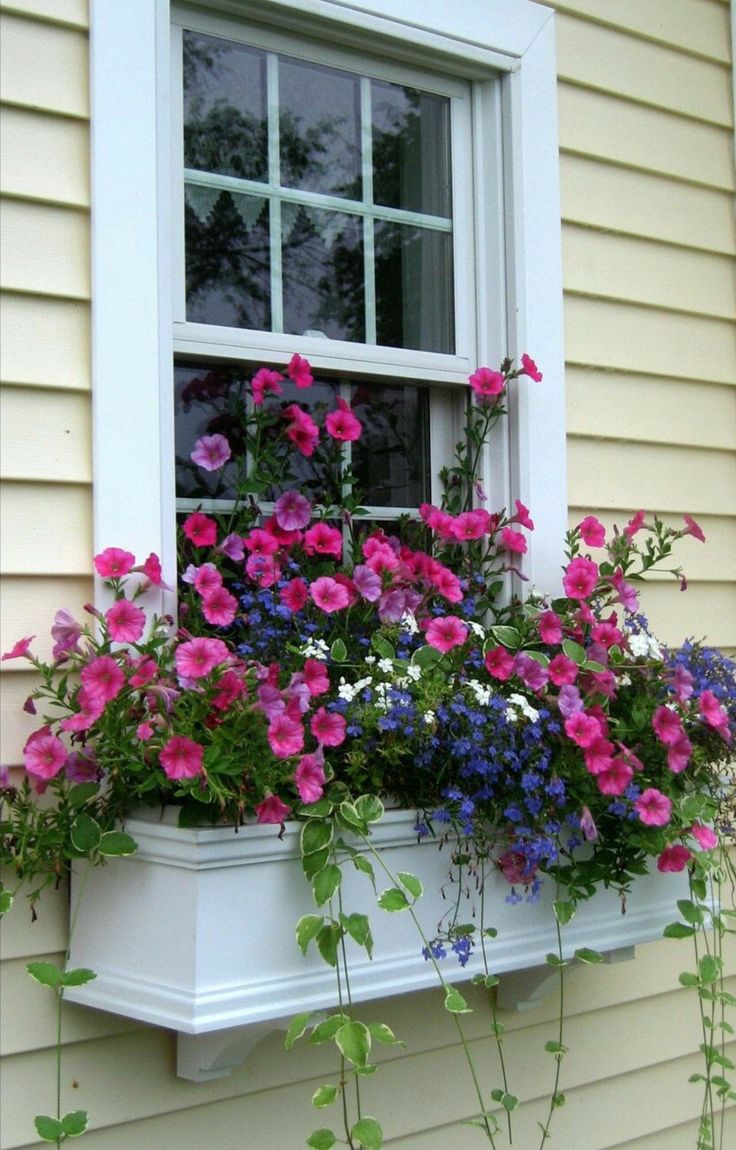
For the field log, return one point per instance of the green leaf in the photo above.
(325, 1031)
(690, 911)
(558, 1100)
(564, 911)
(368, 1132)
(77, 977)
(324, 1096)
(359, 929)
(584, 954)
(591, 665)
(117, 843)
(426, 657)
(48, 1128)
(709, 968)
(6, 901)
(557, 1048)
(678, 930)
(74, 1123)
(384, 1034)
(687, 979)
(313, 864)
(81, 794)
(349, 814)
(555, 961)
(322, 1139)
(47, 973)
(509, 1102)
(382, 647)
(328, 939)
(325, 883)
(354, 1042)
(393, 899)
(411, 883)
(338, 651)
(507, 636)
(315, 836)
(86, 834)
(574, 651)
(297, 1026)
(361, 863)
(370, 808)
(307, 928)
(455, 1003)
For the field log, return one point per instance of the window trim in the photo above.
(132, 345)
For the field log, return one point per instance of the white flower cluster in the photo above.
(519, 706)
(641, 646)
(348, 691)
(477, 629)
(315, 649)
(481, 691)
(408, 623)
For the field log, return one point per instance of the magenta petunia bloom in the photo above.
(531, 673)
(634, 525)
(321, 539)
(294, 594)
(653, 808)
(667, 725)
(113, 563)
(205, 579)
(328, 729)
(714, 714)
(199, 657)
(285, 736)
(446, 583)
(219, 607)
(592, 531)
(342, 424)
(582, 728)
(230, 688)
(529, 367)
(103, 678)
(706, 837)
(513, 541)
(144, 731)
(263, 570)
(615, 779)
(626, 595)
(200, 529)
(265, 382)
(499, 663)
(471, 524)
(581, 576)
(293, 511)
(153, 571)
(316, 677)
(487, 384)
(90, 706)
(446, 632)
(211, 452)
(66, 633)
(19, 650)
(563, 670)
(44, 754)
(125, 621)
(182, 758)
(550, 627)
(522, 516)
(272, 810)
(673, 859)
(328, 594)
(309, 777)
(299, 371)
(693, 528)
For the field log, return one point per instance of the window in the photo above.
(391, 214)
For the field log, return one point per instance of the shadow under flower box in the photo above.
(195, 931)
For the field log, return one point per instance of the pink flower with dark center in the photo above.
(562, 670)
(205, 579)
(232, 546)
(446, 583)
(499, 663)
(125, 621)
(90, 706)
(532, 674)
(615, 779)
(182, 758)
(292, 511)
(82, 768)
(530, 368)
(667, 725)
(113, 563)
(626, 595)
(653, 808)
(673, 859)
(580, 578)
(328, 729)
(44, 754)
(294, 594)
(634, 525)
(219, 607)
(582, 729)
(19, 650)
(678, 754)
(285, 736)
(437, 520)
(103, 678)
(342, 424)
(230, 688)
(299, 371)
(592, 531)
(66, 633)
(607, 634)
(263, 570)
(487, 384)
(200, 529)
(309, 777)
(550, 627)
(513, 541)
(302, 431)
(260, 542)
(516, 868)
(367, 582)
(144, 670)
(471, 524)
(153, 571)
(522, 516)
(706, 837)
(316, 677)
(198, 657)
(272, 810)
(265, 382)
(211, 452)
(714, 714)
(328, 594)
(446, 632)
(693, 528)
(380, 557)
(321, 539)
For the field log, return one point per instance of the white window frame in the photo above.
(132, 246)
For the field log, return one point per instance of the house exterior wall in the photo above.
(649, 244)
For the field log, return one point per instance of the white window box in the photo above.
(195, 931)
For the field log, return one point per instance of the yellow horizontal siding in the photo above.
(44, 157)
(613, 405)
(624, 65)
(624, 337)
(651, 140)
(21, 937)
(653, 274)
(45, 249)
(44, 66)
(48, 435)
(698, 27)
(638, 203)
(44, 342)
(29, 606)
(706, 611)
(16, 726)
(72, 12)
(45, 529)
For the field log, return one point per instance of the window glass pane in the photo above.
(225, 124)
(322, 273)
(411, 149)
(391, 458)
(319, 129)
(414, 296)
(227, 258)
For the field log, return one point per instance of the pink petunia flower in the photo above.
(471, 524)
(683, 683)
(299, 371)
(513, 541)
(516, 868)
(309, 777)
(522, 516)
(678, 754)
(144, 731)
(714, 714)
(499, 663)
(103, 678)
(446, 632)
(82, 768)
(487, 384)
(265, 382)
(125, 621)
(302, 431)
(198, 657)
(582, 728)
(200, 529)
(328, 594)
(205, 579)
(592, 531)
(367, 582)
(321, 539)
(113, 563)
(144, 670)
(581, 576)
(626, 595)
(706, 837)
(531, 673)
(446, 583)
(272, 810)
(327, 728)
(182, 758)
(563, 670)
(634, 525)
(667, 725)
(315, 676)
(342, 424)
(20, 650)
(230, 688)
(693, 528)
(673, 859)
(293, 511)
(153, 571)
(219, 607)
(615, 779)
(90, 706)
(285, 736)
(211, 452)
(66, 633)
(530, 368)
(550, 627)
(232, 546)
(260, 542)
(294, 594)
(653, 808)
(44, 754)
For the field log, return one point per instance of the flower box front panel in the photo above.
(196, 930)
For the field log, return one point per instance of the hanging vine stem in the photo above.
(496, 1026)
(558, 1049)
(348, 995)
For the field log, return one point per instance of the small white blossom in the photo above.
(408, 623)
(429, 717)
(414, 671)
(315, 649)
(524, 706)
(511, 715)
(654, 648)
(639, 645)
(624, 680)
(478, 630)
(386, 665)
(370, 660)
(481, 691)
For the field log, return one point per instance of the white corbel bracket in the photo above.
(204, 1057)
(526, 989)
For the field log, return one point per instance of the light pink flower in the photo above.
(66, 633)
(667, 725)
(634, 525)
(113, 563)
(219, 607)
(587, 826)
(673, 859)
(316, 677)
(471, 524)
(367, 582)
(125, 621)
(550, 627)
(693, 528)
(211, 452)
(182, 758)
(265, 382)
(144, 731)
(144, 669)
(437, 520)
(44, 754)
(285, 736)
(294, 594)
(232, 546)
(292, 511)
(199, 657)
(205, 579)
(103, 678)
(90, 706)
(683, 684)
(327, 728)
(678, 754)
(653, 808)
(580, 578)
(706, 837)
(592, 531)
(522, 516)
(321, 539)
(153, 571)
(309, 777)
(299, 371)
(328, 594)
(200, 529)
(19, 650)
(532, 674)
(530, 368)
(487, 384)
(499, 663)
(563, 670)
(615, 779)
(263, 570)
(513, 541)
(715, 714)
(342, 424)
(626, 595)
(582, 728)
(446, 632)
(272, 810)
(446, 583)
